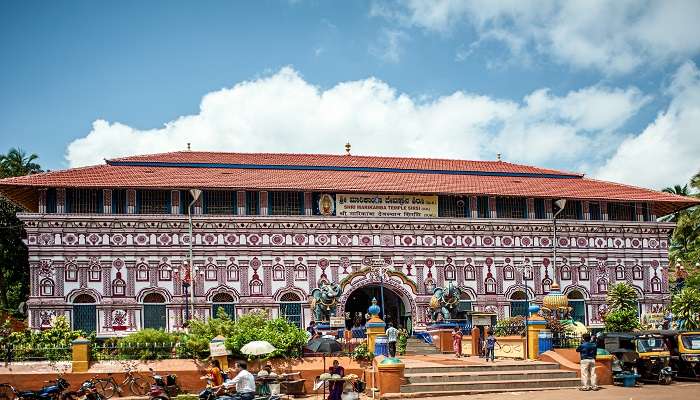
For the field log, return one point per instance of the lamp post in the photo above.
(523, 269)
(561, 203)
(195, 196)
(380, 267)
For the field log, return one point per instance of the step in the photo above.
(490, 385)
(447, 393)
(482, 367)
(488, 376)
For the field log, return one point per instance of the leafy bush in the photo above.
(362, 353)
(287, 338)
(685, 307)
(622, 296)
(510, 326)
(147, 344)
(53, 344)
(195, 343)
(621, 320)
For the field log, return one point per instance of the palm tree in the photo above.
(622, 296)
(680, 191)
(685, 307)
(695, 183)
(17, 163)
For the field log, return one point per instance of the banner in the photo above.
(385, 205)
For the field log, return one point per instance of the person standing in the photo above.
(336, 386)
(588, 351)
(457, 341)
(490, 342)
(392, 335)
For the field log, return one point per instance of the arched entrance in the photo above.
(578, 306)
(518, 304)
(84, 313)
(359, 300)
(290, 308)
(154, 311)
(225, 302)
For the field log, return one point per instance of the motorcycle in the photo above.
(163, 389)
(87, 391)
(48, 392)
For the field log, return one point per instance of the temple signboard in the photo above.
(386, 205)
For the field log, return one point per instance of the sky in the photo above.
(607, 88)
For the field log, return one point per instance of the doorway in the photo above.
(393, 311)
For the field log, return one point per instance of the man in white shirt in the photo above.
(392, 335)
(244, 382)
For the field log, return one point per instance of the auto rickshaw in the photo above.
(685, 353)
(642, 353)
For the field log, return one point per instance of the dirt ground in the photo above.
(676, 391)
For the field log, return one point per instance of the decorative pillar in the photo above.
(241, 202)
(604, 210)
(375, 326)
(175, 202)
(81, 355)
(263, 203)
(106, 201)
(197, 206)
(106, 267)
(42, 201)
(534, 325)
(130, 201)
(586, 210)
(548, 209)
(60, 201)
(492, 207)
(131, 279)
(267, 278)
(243, 278)
(308, 203)
(391, 375)
(474, 210)
(476, 334)
(530, 208)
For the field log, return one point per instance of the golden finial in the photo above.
(498, 157)
(347, 148)
(188, 146)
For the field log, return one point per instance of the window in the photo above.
(539, 209)
(490, 285)
(165, 272)
(637, 273)
(572, 210)
(453, 206)
(620, 273)
(594, 211)
(118, 286)
(221, 202)
(51, 200)
(95, 273)
(256, 287)
(482, 207)
(546, 285)
(71, 273)
(290, 308)
(508, 273)
(252, 203)
(46, 287)
(583, 274)
(278, 273)
(469, 273)
(300, 272)
(511, 207)
(153, 201)
(286, 203)
(84, 201)
(602, 285)
(210, 272)
(621, 211)
(232, 273)
(655, 285)
(450, 274)
(142, 273)
(646, 215)
(118, 201)
(565, 273)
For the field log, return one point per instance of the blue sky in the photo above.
(597, 87)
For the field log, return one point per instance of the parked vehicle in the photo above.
(52, 391)
(87, 391)
(642, 353)
(163, 389)
(133, 381)
(685, 353)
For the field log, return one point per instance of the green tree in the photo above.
(621, 320)
(14, 266)
(685, 307)
(622, 296)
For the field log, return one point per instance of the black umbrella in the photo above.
(324, 345)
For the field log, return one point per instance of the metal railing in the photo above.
(566, 340)
(134, 351)
(14, 353)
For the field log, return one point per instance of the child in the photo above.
(490, 343)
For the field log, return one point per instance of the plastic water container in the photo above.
(381, 347)
(275, 389)
(544, 341)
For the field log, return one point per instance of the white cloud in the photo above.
(389, 45)
(613, 36)
(284, 113)
(667, 152)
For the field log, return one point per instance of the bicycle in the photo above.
(106, 387)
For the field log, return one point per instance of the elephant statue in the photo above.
(443, 304)
(324, 301)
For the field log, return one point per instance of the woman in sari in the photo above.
(336, 387)
(457, 341)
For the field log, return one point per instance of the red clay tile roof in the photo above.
(314, 172)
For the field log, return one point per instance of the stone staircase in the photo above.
(447, 380)
(415, 346)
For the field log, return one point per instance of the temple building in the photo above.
(109, 244)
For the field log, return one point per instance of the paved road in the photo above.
(676, 391)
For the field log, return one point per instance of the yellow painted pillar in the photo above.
(535, 324)
(219, 352)
(81, 355)
(375, 326)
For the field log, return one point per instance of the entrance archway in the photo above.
(359, 300)
(84, 313)
(154, 312)
(578, 306)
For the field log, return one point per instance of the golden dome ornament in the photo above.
(555, 300)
